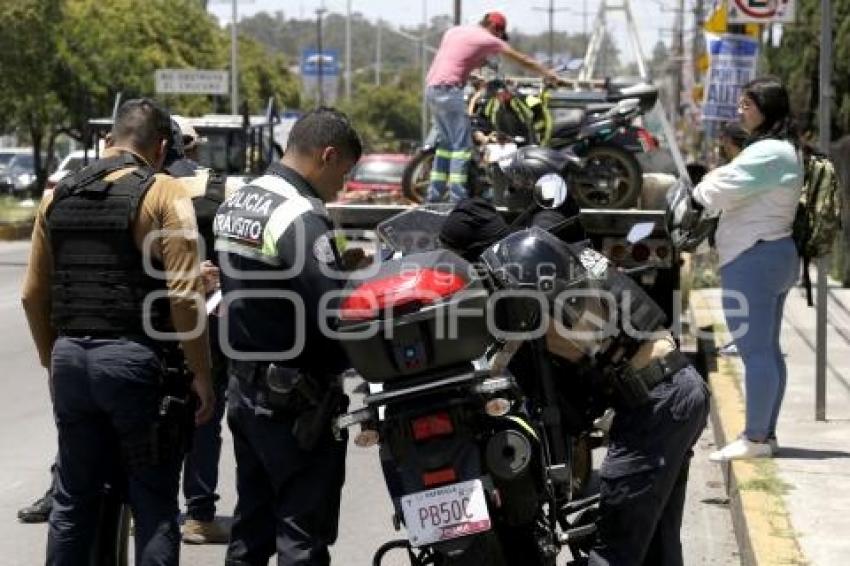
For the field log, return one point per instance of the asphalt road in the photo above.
(27, 445)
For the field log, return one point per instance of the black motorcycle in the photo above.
(477, 462)
(602, 133)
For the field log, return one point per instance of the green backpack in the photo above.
(818, 218)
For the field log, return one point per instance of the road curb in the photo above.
(759, 513)
(15, 230)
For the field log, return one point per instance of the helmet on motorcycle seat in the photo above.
(687, 222)
(529, 163)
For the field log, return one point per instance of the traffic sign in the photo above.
(191, 81)
(762, 11)
(311, 60)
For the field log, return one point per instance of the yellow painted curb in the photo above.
(759, 514)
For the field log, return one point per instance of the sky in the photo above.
(520, 14)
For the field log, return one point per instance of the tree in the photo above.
(386, 117)
(28, 65)
(796, 61)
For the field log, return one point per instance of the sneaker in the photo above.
(205, 532)
(774, 445)
(742, 449)
(729, 349)
(39, 511)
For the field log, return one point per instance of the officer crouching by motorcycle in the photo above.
(608, 342)
(278, 263)
(113, 278)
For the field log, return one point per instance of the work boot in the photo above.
(39, 511)
(205, 532)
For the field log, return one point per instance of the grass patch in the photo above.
(772, 486)
(16, 210)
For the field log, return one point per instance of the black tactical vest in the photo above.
(99, 277)
(206, 207)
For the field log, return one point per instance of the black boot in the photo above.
(39, 511)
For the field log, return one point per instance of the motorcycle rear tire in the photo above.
(486, 550)
(607, 160)
(417, 174)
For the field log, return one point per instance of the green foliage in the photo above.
(28, 65)
(62, 62)
(386, 116)
(796, 62)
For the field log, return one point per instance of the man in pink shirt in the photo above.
(462, 50)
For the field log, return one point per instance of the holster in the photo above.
(170, 436)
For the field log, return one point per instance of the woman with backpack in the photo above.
(757, 194)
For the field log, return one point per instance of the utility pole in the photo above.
(457, 12)
(348, 50)
(234, 63)
(423, 59)
(319, 13)
(378, 54)
(551, 10)
(680, 56)
(825, 139)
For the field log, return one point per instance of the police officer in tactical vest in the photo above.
(112, 285)
(206, 188)
(278, 263)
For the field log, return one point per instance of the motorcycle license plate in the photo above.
(445, 513)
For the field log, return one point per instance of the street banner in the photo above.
(733, 61)
(762, 11)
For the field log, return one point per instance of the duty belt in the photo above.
(662, 368)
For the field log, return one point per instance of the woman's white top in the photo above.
(757, 194)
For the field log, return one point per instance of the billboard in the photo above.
(733, 64)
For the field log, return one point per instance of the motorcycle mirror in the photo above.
(550, 191)
(640, 231)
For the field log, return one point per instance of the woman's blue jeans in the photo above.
(755, 286)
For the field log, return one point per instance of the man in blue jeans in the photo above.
(113, 268)
(463, 49)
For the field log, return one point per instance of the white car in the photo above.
(72, 163)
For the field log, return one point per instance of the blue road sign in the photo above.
(311, 59)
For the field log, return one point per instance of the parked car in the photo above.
(17, 170)
(376, 179)
(72, 163)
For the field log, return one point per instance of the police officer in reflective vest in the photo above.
(279, 268)
(113, 277)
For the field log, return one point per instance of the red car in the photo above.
(376, 179)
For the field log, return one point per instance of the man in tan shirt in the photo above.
(114, 265)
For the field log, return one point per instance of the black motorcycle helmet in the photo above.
(543, 267)
(531, 162)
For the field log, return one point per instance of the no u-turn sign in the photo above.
(761, 11)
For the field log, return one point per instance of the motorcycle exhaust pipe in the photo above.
(509, 457)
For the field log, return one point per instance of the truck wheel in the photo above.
(417, 175)
(611, 178)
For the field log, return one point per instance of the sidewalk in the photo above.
(792, 509)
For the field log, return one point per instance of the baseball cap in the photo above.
(498, 21)
(190, 135)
